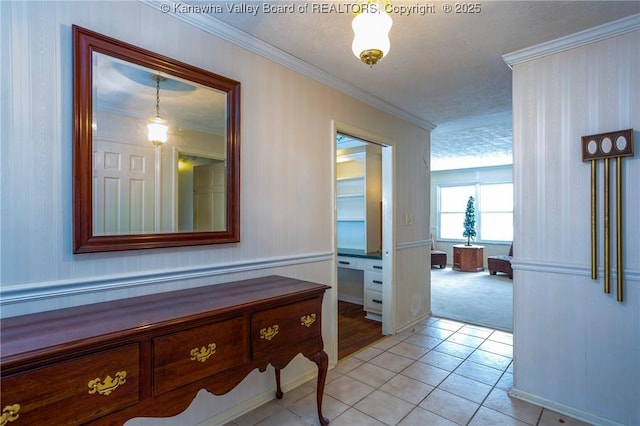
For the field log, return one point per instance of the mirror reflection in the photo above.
(159, 151)
(201, 202)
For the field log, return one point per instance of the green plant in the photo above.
(470, 221)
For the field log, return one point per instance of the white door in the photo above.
(388, 242)
(209, 197)
(123, 188)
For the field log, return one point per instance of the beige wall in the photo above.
(287, 180)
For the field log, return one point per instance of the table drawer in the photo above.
(75, 391)
(273, 328)
(193, 354)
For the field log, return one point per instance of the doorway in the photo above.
(474, 297)
(200, 187)
(364, 235)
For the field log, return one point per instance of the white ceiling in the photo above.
(444, 69)
(127, 89)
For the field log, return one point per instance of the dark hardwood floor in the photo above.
(354, 330)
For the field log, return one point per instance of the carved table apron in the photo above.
(148, 356)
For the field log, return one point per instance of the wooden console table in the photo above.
(468, 258)
(148, 356)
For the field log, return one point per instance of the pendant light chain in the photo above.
(157, 97)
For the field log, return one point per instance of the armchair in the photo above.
(437, 257)
(501, 263)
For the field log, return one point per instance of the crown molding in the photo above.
(231, 34)
(591, 35)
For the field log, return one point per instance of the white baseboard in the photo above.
(373, 316)
(414, 322)
(561, 408)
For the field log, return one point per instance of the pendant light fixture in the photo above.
(371, 26)
(157, 127)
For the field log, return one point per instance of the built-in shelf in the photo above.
(359, 198)
(350, 195)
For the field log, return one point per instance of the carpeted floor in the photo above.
(473, 297)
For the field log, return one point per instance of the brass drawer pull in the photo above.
(109, 384)
(307, 320)
(9, 414)
(203, 353)
(269, 332)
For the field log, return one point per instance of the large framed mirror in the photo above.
(156, 150)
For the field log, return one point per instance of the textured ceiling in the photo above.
(443, 68)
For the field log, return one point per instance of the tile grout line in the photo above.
(465, 359)
(485, 339)
(459, 329)
(416, 405)
(453, 332)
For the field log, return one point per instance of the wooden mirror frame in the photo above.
(85, 42)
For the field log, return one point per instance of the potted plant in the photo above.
(470, 221)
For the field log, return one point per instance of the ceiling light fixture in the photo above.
(157, 127)
(371, 26)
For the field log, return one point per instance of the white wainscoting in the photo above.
(574, 346)
(287, 174)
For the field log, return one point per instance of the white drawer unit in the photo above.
(372, 282)
(373, 265)
(349, 262)
(373, 304)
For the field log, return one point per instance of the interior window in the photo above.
(494, 211)
(453, 203)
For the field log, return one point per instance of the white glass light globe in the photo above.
(371, 32)
(157, 130)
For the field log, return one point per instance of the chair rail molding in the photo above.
(575, 270)
(414, 244)
(30, 292)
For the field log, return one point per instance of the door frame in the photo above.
(388, 228)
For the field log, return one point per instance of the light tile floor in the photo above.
(442, 372)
